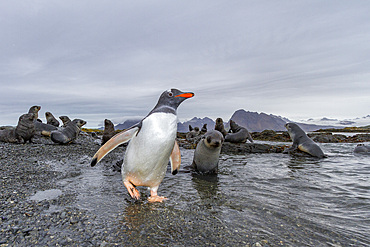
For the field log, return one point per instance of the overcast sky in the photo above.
(112, 59)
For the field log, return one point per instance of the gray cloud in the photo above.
(112, 59)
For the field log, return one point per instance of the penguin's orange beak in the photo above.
(185, 95)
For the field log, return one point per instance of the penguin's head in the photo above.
(172, 98)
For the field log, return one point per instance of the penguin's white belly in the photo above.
(148, 153)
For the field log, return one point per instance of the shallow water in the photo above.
(272, 199)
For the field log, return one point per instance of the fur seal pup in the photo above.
(25, 129)
(23, 132)
(43, 128)
(35, 110)
(239, 134)
(220, 126)
(203, 130)
(8, 135)
(108, 132)
(193, 132)
(65, 120)
(302, 142)
(50, 119)
(152, 144)
(207, 152)
(69, 133)
(362, 148)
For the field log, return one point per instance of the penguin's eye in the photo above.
(170, 94)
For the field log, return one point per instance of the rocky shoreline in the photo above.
(55, 219)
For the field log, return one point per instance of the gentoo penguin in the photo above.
(153, 143)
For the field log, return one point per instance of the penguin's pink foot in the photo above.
(154, 197)
(134, 193)
(157, 198)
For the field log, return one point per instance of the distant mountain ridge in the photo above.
(253, 121)
(196, 122)
(127, 124)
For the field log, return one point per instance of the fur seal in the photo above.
(361, 148)
(152, 144)
(207, 152)
(25, 129)
(23, 132)
(69, 133)
(43, 128)
(239, 134)
(8, 135)
(193, 132)
(108, 132)
(50, 119)
(220, 126)
(66, 120)
(302, 142)
(203, 130)
(35, 110)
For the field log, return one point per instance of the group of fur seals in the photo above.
(239, 134)
(23, 132)
(193, 132)
(25, 129)
(302, 142)
(61, 135)
(152, 144)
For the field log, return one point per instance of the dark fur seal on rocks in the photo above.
(108, 132)
(207, 152)
(302, 142)
(8, 135)
(220, 126)
(203, 130)
(66, 120)
(69, 133)
(50, 119)
(43, 128)
(239, 134)
(24, 131)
